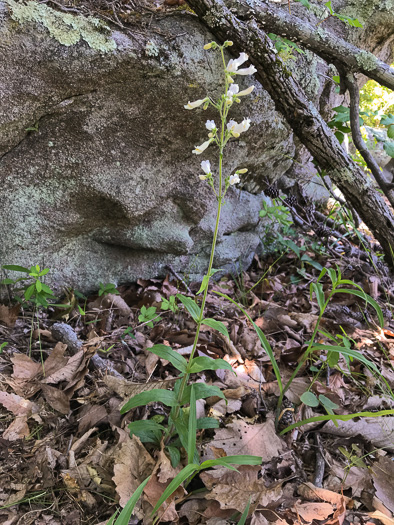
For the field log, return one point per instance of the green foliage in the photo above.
(2, 346)
(286, 48)
(148, 315)
(354, 22)
(169, 304)
(33, 290)
(108, 288)
(278, 213)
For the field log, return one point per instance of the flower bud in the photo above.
(242, 171)
(208, 46)
(228, 43)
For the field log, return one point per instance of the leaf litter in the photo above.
(66, 453)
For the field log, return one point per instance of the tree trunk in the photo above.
(301, 114)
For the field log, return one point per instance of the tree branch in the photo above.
(329, 47)
(352, 87)
(302, 116)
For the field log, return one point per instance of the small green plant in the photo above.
(108, 288)
(2, 346)
(33, 290)
(148, 315)
(279, 213)
(285, 48)
(180, 432)
(169, 304)
(128, 331)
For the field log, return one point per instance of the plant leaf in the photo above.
(244, 514)
(327, 403)
(167, 397)
(207, 363)
(217, 325)
(202, 391)
(263, 340)
(367, 298)
(207, 422)
(347, 351)
(190, 306)
(335, 417)
(309, 399)
(232, 460)
(192, 430)
(15, 268)
(165, 352)
(176, 482)
(125, 515)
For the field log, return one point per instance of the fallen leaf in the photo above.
(17, 405)
(241, 438)
(383, 479)
(310, 492)
(377, 430)
(56, 398)
(314, 511)
(9, 314)
(17, 430)
(377, 515)
(233, 489)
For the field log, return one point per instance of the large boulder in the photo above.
(97, 178)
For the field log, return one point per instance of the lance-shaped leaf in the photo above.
(202, 391)
(190, 306)
(125, 515)
(217, 325)
(207, 363)
(367, 298)
(176, 482)
(165, 352)
(167, 397)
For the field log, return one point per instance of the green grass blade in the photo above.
(335, 417)
(176, 482)
(192, 429)
(367, 298)
(125, 515)
(165, 352)
(234, 460)
(263, 340)
(244, 514)
(352, 353)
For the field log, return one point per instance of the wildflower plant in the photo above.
(180, 432)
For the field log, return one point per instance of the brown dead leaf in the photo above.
(128, 389)
(18, 405)
(314, 511)
(377, 515)
(377, 430)
(233, 489)
(310, 492)
(241, 438)
(9, 314)
(132, 464)
(383, 479)
(90, 416)
(67, 372)
(24, 367)
(56, 398)
(17, 430)
(56, 359)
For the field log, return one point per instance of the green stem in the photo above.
(223, 115)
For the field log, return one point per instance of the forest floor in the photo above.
(67, 456)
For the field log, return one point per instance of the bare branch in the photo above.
(329, 47)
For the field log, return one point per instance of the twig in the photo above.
(177, 276)
(320, 463)
(354, 93)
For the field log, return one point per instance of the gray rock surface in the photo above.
(97, 178)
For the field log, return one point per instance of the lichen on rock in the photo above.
(66, 28)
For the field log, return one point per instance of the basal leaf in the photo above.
(309, 399)
(125, 515)
(202, 391)
(176, 482)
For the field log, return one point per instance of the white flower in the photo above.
(232, 90)
(234, 179)
(234, 64)
(206, 167)
(196, 103)
(247, 71)
(236, 129)
(203, 147)
(210, 124)
(247, 91)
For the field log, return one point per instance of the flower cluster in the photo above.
(230, 129)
